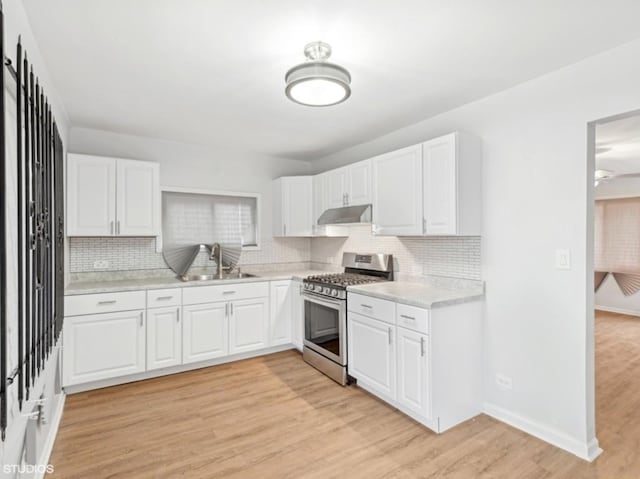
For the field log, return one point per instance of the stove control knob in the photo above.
(318, 288)
(326, 291)
(334, 293)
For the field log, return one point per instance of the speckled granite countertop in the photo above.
(424, 294)
(137, 284)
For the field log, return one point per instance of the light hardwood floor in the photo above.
(276, 417)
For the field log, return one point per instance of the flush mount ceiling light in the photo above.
(318, 82)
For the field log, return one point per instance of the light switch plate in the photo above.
(563, 259)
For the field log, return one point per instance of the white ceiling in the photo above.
(212, 72)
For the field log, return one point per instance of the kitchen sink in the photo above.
(213, 277)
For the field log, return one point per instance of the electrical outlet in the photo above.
(504, 382)
(102, 264)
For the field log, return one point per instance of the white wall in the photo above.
(16, 23)
(194, 166)
(539, 320)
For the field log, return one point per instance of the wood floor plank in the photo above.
(276, 417)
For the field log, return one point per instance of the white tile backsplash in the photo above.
(454, 256)
(127, 254)
(451, 256)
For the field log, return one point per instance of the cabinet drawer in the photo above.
(414, 318)
(104, 302)
(224, 292)
(159, 298)
(380, 309)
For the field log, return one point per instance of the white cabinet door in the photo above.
(248, 325)
(281, 313)
(359, 191)
(336, 188)
(103, 346)
(293, 206)
(413, 372)
(164, 337)
(91, 195)
(205, 332)
(138, 198)
(372, 354)
(297, 314)
(440, 185)
(298, 206)
(397, 192)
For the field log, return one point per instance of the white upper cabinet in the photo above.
(137, 198)
(349, 186)
(359, 183)
(452, 185)
(111, 197)
(293, 206)
(430, 189)
(91, 196)
(336, 188)
(320, 204)
(397, 192)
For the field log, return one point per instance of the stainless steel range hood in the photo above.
(346, 215)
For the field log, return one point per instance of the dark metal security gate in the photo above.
(40, 232)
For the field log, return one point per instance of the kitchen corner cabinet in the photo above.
(293, 206)
(112, 197)
(349, 186)
(103, 346)
(297, 314)
(280, 317)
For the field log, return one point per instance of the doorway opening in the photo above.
(614, 277)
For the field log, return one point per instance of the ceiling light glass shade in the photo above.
(318, 82)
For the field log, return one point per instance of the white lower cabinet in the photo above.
(281, 312)
(248, 325)
(297, 314)
(205, 332)
(101, 346)
(372, 354)
(164, 337)
(425, 362)
(413, 372)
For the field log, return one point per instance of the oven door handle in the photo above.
(334, 304)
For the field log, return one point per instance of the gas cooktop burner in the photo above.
(343, 279)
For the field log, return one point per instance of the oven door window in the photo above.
(322, 326)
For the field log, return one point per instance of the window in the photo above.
(199, 218)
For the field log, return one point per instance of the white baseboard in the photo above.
(609, 309)
(587, 451)
(47, 447)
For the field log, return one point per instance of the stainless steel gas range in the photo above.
(325, 310)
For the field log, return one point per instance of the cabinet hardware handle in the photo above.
(163, 298)
(141, 319)
(422, 346)
(389, 332)
(111, 301)
(178, 315)
(111, 228)
(407, 317)
(226, 309)
(231, 307)
(118, 226)
(424, 226)
(366, 306)
(228, 292)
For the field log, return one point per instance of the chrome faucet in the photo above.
(215, 254)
